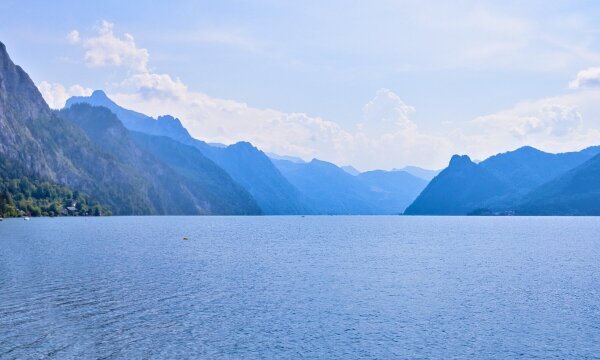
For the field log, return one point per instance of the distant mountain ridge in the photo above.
(280, 184)
(330, 189)
(419, 172)
(526, 168)
(285, 157)
(350, 170)
(210, 191)
(576, 192)
(216, 184)
(392, 191)
(163, 126)
(247, 165)
(499, 183)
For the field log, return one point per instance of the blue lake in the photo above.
(300, 287)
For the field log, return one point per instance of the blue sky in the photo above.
(377, 84)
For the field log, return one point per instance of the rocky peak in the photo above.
(18, 92)
(460, 161)
(99, 95)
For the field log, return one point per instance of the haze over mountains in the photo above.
(332, 190)
(132, 163)
(247, 165)
(276, 190)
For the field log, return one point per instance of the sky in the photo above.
(377, 84)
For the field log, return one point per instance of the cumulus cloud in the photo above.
(56, 94)
(387, 107)
(552, 124)
(155, 85)
(386, 139)
(586, 78)
(228, 121)
(107, 49)
(535, 118)
(73, 37)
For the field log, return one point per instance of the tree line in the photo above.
(29, 197)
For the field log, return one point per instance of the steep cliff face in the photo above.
(101, 161)
(20, 105)
(38, 143)
(247, 165)
(18, 95)
(34, 141)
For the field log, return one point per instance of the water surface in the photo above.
(300, 287)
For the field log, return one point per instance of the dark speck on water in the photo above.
(277, 287)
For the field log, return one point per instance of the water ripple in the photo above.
(291, 287)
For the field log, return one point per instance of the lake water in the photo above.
(300, 287)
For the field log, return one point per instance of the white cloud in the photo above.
(552, 124)
(586, 78)
(155, 85)
(56, 94)
(537, 118)
(387, 107)
(227, 121)
(73, 37)
(386, 137)
(106, 49)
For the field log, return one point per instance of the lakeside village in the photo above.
(26, 198)
(72, 210)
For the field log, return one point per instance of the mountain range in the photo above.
(129, 163)
(268, 178)
(419, 172)
(523, 181)
(332, 190)
(37, 143)
(247, 165)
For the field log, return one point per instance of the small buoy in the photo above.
(186, 238)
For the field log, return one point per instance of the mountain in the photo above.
(256, 172)
(424, 174)
(350, 170)
(215, 184)
(163, 126)
(392, 191)
(205, 188)
(331, 190)
(247, 165)
(526, 168)
(37, 143)
(576, 192)
(285, 157)
(495, 184)
(328, 189)
(460, 188)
